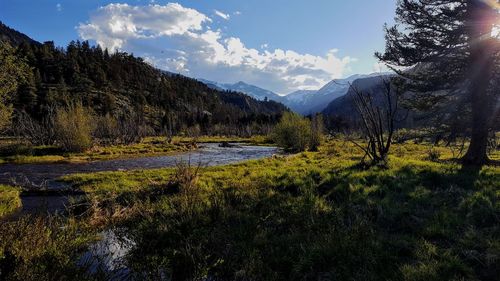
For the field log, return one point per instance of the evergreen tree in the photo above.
(449, 47)
(12, 71)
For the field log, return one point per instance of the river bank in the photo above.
(312, 214)
(15, 151)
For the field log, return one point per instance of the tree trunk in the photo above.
(481, 112)
(481, 68)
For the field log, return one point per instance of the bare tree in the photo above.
(378, 118)
(37, 132)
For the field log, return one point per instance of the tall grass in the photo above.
(9, 199)
(312, 216)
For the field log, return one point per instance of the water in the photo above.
(108, 254)
(44, 176)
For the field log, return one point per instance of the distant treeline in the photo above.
(125, 88)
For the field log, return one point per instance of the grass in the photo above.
(45, 248)
(9, 199)
(255, 140)
(309, 216)
(21, 153)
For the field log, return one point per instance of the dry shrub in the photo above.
(185, 178)
(433, 155)
(107, 129)
(74, 128)
(292, 133)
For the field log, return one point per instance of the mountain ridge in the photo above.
(130, 90)
(305, 102)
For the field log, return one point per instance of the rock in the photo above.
(226, 144)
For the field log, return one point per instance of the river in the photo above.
(45, 176)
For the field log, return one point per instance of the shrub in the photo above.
(292, 133)
(37, 132)
(317, 128)
(9, 199)
(433, 155)
(107, 129)
(74, 128)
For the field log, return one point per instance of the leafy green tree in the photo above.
(12, 71)
(449, 47)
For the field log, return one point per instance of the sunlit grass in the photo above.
(313, 214)
(9, 199)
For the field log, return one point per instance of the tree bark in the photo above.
(481, 68)
(482, 110)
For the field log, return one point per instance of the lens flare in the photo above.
(493, 3)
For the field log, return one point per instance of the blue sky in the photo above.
(282, 45)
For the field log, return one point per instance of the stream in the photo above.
(44, 176)
(109, 252)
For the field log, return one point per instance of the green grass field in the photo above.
(309, 216)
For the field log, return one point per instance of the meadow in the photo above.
(308, 216)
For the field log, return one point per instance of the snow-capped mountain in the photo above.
(309, 102)
(242, 87)
(303, 101)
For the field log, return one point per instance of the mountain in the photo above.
(309, 102)
(130, 90)
(242, 87)
(344, 106)
(303, 101)
(14, 37)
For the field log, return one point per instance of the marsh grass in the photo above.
(43, 248)
(22, 153)
(310, 216)
(9, 199)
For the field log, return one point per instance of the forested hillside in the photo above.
(126, 89)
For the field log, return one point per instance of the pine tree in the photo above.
(12, 71)
(448, 45)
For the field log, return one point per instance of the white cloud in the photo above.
(58, 7)
(180, 39)
(222, 15)
(114, 24)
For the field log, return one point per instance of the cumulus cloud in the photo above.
(222, 15)
(58, 7)
(115, 24)
(182, 40)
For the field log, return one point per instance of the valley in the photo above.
(228, 140)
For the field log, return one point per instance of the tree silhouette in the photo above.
(446, 46)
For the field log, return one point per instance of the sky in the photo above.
(280, 45)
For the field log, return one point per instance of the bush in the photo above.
(9, 199)
(74, 128)
(107, 130)
(37, 132)
(433, 155)
(292, 133)
(317, 128)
